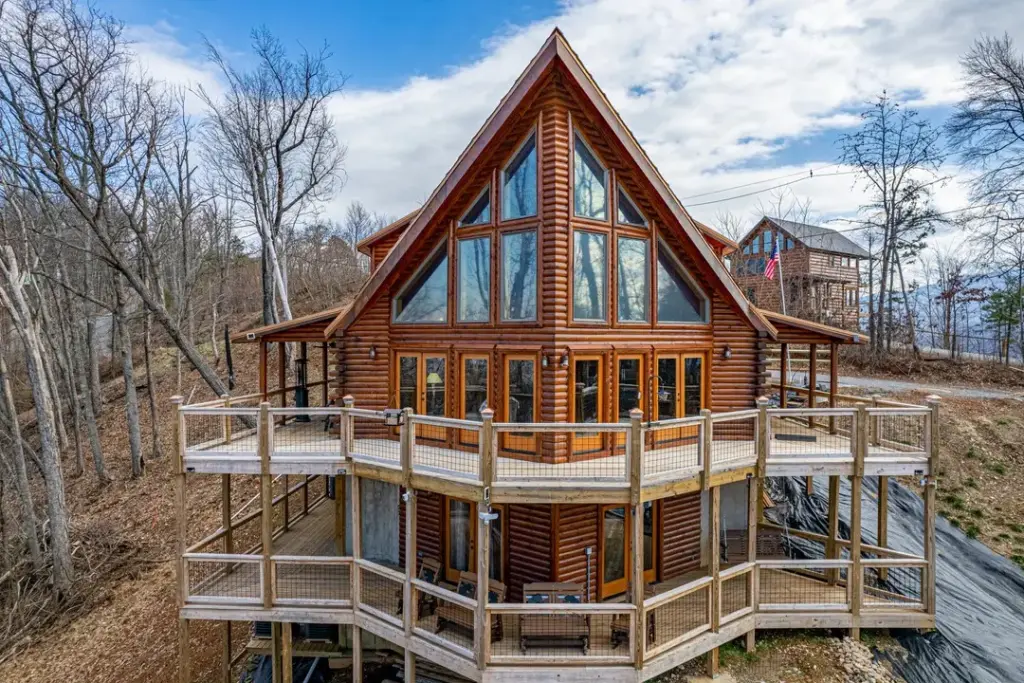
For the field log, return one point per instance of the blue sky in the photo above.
(721, 93)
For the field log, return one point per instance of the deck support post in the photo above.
(275, 652)
(753, 498)
(282, 382)
(639, 640)
(225, 662)
(762, 451)
(267, 502)
(410, 665)
(832, 542)
(833, 383)
(812, 381)
(409, 605)
(481, 620)
(263, 370)
(286, 653)
(930, 554)
(178, 455)
(706, 435)
(355, 510)
(856, 579)
(357, 654)
(783, 374)
(714, 567)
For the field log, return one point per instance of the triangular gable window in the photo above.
(425, 298)
(519, 183)
(628, 214)
(590, 193)
(480, 212)
(679, 300)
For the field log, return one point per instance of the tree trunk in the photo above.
(147, 344)
(131, 399)
(98, 462)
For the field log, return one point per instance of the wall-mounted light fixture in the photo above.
(373, 353)
(564, 362)
(727, 352)
(543, 361)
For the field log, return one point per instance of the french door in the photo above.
(629, 388)
(474, 393)
(422, 386)
(588, 404)
(679, 392)
(520, 404)
(615, 552)
(460, 538)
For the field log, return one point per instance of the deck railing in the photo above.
(587, 634)
(311, 581)
(678, 616)
(223, 579)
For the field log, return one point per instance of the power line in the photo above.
(768, 189)
(758, 182)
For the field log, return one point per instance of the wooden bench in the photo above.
(457, 616)
(430, 572)
(554, 630)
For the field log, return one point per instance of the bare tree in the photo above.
(897, 157)
(274, 143)
(730, 225)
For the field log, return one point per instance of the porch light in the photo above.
(727, 352)
(487, 516)
(373, 353)
(543, 361)
(565, 360)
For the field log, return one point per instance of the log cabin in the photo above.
(819, 271)
(545, 440)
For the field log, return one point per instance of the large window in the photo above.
(588, 389)
(678, 300)
(480, 212)
(475, 280)
(425, 298)
(519, 276)
(520, 401)
(422, 386)
(519, 183)
(475, 394)
(680, 393)
(460, 538)
(628, 214)
(590, 193)
(590, 276)
(634, 278)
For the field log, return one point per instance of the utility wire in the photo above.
(809, 172)
(768, 189)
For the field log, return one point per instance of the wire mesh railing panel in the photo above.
(372, 440)
(737, 594)
(451, 619)
(675, 620)
(583, 453)
(221, 431)
(672, 447)
(818, 434)
(307, 433)
(894, 586)
(539, 635)
(733, 441)
(896, 431)
(227, 579)
(380, 590)
(317, 486)
(312, 582)
(798, 584)
(442, 446)
(247, 533)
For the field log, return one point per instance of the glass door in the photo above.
(629, 379)
(460, 537)
(680, 391)
(615, 552)
(474, 394)
(422, 385)
(588, 389)
(520, 402)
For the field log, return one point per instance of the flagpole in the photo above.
(782, 295)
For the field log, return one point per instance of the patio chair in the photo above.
(554, 630)
(430, 572)
(449, 614)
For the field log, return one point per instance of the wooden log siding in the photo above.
(576, 530)
(680, 535)
(529, 547)
(429, 516)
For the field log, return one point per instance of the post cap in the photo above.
(762, 400)
(933, 398)
(705, 412)
(487, 414)
(636, 414)
(177, 399)
(225, 395)
(348, 400)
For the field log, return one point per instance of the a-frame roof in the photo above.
(555, 49)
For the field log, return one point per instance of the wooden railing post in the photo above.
(812, 381)
(355, 508)
(341, 481)
(639, 639)
(264, 430)
(875, 427)
(714, 568)
(178, 455)
(482, 621)
(706, 435)
(856, 580)
(763, 441)
(346, 430)
(753, 497)
(406, 435)
(409, 610)
(930, 553)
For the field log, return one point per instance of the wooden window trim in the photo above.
(452, 575)
(628, 355)
(605, 590)
(615, 200)
(466, 234)
(574, 131)
(468, 438)
(446, 244)
(538, 318)
(708, 321)
(608, 248)
(633, 234)
(488, 190)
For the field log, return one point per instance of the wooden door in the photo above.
(628, 389)
(460, 538)
(520, 388)
(680, 389)
(474, 393)
(423, 386)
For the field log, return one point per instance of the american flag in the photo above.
(773, 261)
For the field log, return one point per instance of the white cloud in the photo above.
(708, 86)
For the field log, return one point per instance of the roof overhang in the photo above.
(790, 330)
(366, 244)
(307, 328)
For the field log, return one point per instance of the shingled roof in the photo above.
(817, 237)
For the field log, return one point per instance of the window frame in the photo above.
(471, 438)
(608, 236)
(500, 313)
(452, 575)
(582, 443)
(607, 589)
(506, 360)
(444, 246)
(460, 225)
(647, 239)
(459, 239)
(619, 187)
(684, 272)
(500, 217)
(675, 435)
(577, 134)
